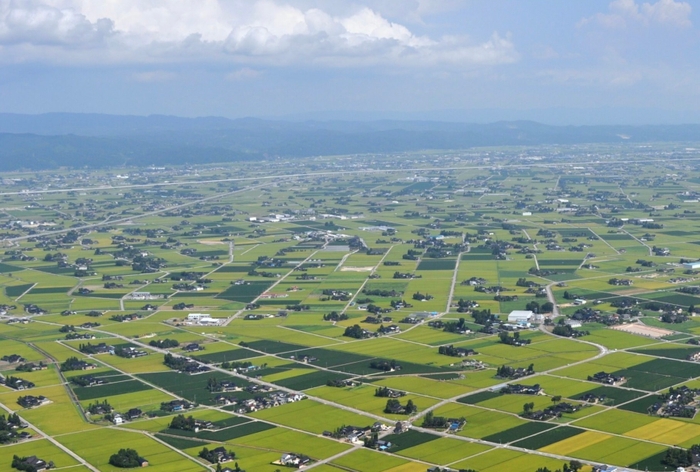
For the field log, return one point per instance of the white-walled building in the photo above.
(521, 317)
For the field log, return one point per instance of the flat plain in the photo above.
(328, 296)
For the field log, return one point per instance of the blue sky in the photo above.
(555, 61)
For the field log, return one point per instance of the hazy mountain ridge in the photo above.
(77, 140)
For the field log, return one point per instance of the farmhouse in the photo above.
(13, 358)
(202, 424)
(294, 460)
(33, 463)
(608, 379)
(90, 381)
(523, 389)
(176, 405)
(131, 352)
(30, 401)
(220, 454)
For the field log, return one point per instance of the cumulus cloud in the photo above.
(242, 31)
(42, 24)
(624, 12)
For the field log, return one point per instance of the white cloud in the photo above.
(41, 24)
(625, 12)
(246, 32)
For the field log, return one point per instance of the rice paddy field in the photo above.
(343, 311)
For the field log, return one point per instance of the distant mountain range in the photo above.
(76, 140)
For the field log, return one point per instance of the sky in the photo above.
(561, 62)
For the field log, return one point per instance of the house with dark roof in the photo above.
(34, 463)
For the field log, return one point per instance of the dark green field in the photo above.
(549, 437)
(402, 441)
(641, 405)
(222, 356)
(244, 293)
(479, 397)
(243, 269)
(7, 268)
(682, 353)
(48, 290)
(437, 264)
(14, 291)
(275, 347)
(191, 387)
(310, 380)
(617, 395)
(109, 389)
(179, 442)
(519, 432)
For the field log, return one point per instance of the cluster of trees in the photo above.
(20, 463)
(569, 332)
(455, 351)
(515, 340)
(386, 366)
(535, 307)
(671, 317)
(98, 407)
(88, 348)
(572, 466)
(175, 362)
(484, 317)
(456, 326)
(72, 363)
(523, 282)
(506, 372)
(357, 332)
(381, 293)
(464, 306)
(15, 382)
(298, 307)
(122, 318)
(393, 406)
(387, 392)
(412, 255)
(679, 457)
(126, 459)
(164, 343)
(438, 422)
(7, 427)
(335, 316)
(30, 367)
(213, 456)
(182, 423)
